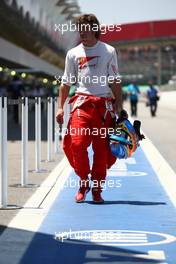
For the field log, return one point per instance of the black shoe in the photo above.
(137, 127)
(96, 195)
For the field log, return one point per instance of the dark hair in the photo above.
(92, 21)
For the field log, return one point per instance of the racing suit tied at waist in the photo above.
(80, 100)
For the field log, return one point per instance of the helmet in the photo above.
(119, 150)
(124, 141)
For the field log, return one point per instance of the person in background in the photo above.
(152, 96)
(133, 92)
(15, 88)
(3, 88)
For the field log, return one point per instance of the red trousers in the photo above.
(88, 125)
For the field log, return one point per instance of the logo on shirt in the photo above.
(91, 61)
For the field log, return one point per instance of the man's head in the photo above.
(89, 29)
(150, 82)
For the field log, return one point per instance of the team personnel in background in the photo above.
(133, 91)
(152, 96)
(93, 106)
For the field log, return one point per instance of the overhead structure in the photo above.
(30, 26)
(147, 50)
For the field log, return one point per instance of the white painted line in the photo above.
(119, 165)
(40, 194)
(164, 172)
(118, 173)
(150, 255)
(119, 169)
(126, 262)
(128, 235)
(31, 219)
(119, 240)
(103, 237)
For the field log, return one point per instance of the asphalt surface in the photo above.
(17, 195)
(135, 225)
(160, 129)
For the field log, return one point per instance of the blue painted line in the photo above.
(139, 210)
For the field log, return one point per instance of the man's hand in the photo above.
(60, 116)
(123, 114)
(117, 93)
(63, 94)
(117, 107)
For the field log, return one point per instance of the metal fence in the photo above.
(23, 104)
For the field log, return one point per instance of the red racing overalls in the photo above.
(90, 115)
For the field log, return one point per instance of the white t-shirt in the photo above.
(90, 67)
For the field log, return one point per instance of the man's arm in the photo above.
(117, 92)
(114, 83)
(63, 94)
(138, 90)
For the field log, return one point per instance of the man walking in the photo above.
(90, 66)
(133, 91)
(152, 95)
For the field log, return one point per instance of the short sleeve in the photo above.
(70, 75)
(113, 69)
